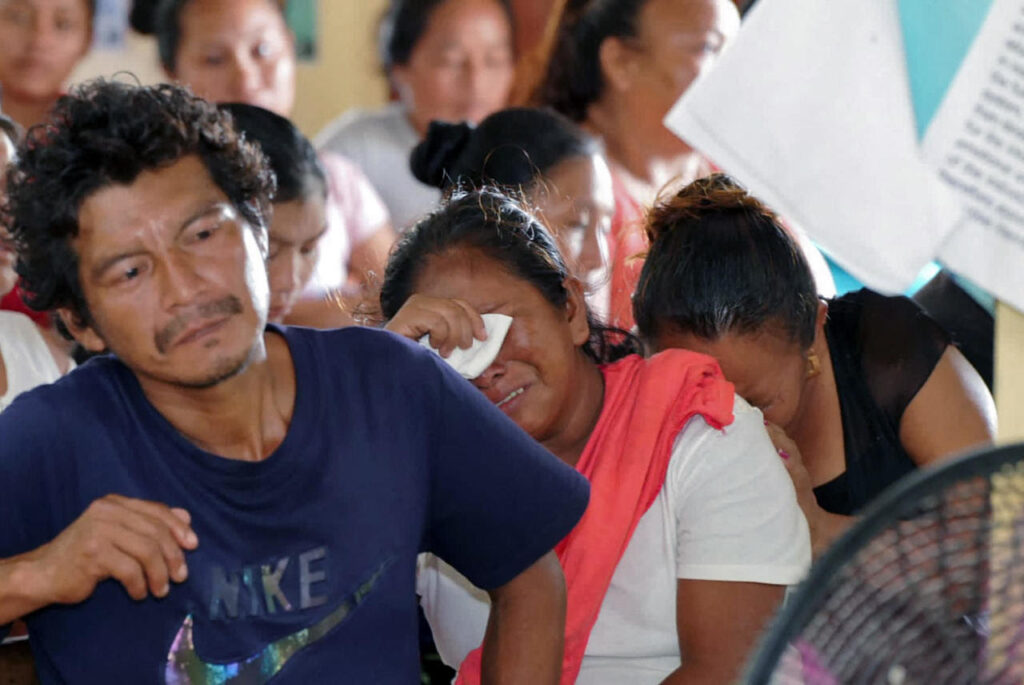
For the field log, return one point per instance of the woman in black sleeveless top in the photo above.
(856, 391)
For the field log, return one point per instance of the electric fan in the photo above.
(926, 589)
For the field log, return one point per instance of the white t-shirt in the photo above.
(27, 359)
(727, 511)
(380, 142)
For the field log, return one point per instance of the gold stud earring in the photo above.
(813, 364)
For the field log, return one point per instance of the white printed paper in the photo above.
(810, 109)
(976, 141)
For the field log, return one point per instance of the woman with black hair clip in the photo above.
(559, 168)
(693, 528)
(858, 391)
(447, 60)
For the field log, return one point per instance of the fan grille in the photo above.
(927, 589)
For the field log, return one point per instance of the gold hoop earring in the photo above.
(813, 364)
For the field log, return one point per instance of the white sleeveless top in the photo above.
(26, 357)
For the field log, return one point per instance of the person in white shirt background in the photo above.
(27, 359)
(447, 60)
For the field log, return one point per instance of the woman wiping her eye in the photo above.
(693, 529)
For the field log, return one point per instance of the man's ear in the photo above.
(618, 63)
(84, 335)
(576, 312)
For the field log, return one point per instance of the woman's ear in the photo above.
(399, 78)
(617, 63)
(84, 335)
(576, 312)
(819, 324)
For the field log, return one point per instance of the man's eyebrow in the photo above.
(213, 207)
(110, 261)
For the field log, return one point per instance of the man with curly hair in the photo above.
(218, 500)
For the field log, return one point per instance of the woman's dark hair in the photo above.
(404, 23)
(574, 79)
(166, 25)
(496, 225)
(721, 262)
(292, 158)
(105, 133)
(510, 148)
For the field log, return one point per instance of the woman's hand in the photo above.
(824, 526)
(794, 462)
(449, 323)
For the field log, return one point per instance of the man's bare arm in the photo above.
(138, 543)
(526, 631)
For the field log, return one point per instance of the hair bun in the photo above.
(434, 158)
(709, 195)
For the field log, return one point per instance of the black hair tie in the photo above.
(433, 159)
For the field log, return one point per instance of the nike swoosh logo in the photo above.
(184, 665)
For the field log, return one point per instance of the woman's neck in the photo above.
(27, 112)
(818, 429)
(588, 395)
(418, 127)
(642, 161)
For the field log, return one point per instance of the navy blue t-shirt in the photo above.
(306, 561)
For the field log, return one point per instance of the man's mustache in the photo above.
(228, 305)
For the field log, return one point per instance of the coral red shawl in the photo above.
(647, 402)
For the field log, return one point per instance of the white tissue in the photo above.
(474, 361)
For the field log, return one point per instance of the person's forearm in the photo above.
(526, 631)
(327, 311)
(21, 587)
(691, 676)
(826, 529)
(697, 674)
